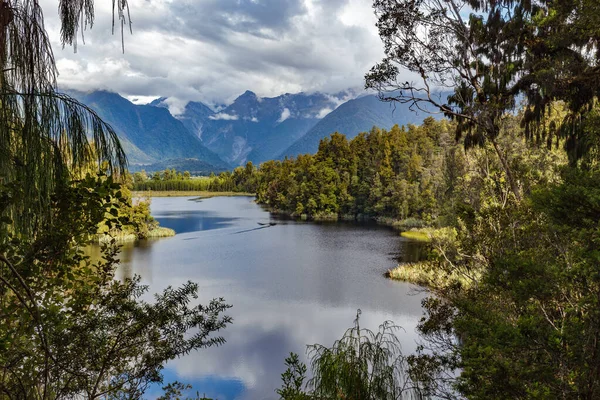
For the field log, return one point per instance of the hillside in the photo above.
(353, 117)
(149, 134)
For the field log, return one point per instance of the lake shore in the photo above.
(122, 237)
(187, 193)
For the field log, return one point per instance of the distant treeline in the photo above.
(417, 174)
(241, 179)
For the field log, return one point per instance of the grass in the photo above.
(420, 234)
(401, 224)
(427, 275)
(161, 232)
(319, 217)
(119, 237)
(122, 237)
(186, 193)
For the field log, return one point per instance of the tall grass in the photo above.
(425, 273)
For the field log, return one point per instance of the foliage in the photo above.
(241, 179)
(293, 379)
(43, 133)
(417, 174)
(68, 328)
(361, 365)
(488, 53)
(528, 319)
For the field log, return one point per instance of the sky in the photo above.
(214, 50)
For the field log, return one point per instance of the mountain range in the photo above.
(251, 128)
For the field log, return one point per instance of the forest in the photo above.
(508, 174)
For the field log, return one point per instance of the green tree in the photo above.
(44, 134)
(68, 328)
(361, 365)
(544, 50)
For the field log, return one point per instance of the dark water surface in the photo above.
(290, 284)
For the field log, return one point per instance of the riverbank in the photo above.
(428, 273)
(123, 237)
(186, 193)
(398, 224)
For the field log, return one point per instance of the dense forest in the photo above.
(415, 175)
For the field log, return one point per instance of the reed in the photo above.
(161, 232)
(425, 273)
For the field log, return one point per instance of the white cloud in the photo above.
(323, 113)
(254, 119)
(210, 51)
(176, 105)
(285, 114)
(224, 117)
(141, 99)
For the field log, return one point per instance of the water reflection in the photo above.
(291, 284)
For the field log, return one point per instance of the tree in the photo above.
(361, 365)
(544, 51)
(68, 329)
(43, 133)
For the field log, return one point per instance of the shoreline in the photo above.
(121, 237)
(404, 225)
(187, 193)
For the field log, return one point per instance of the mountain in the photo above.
(353, 117)
(194, 117)
(149, 134)
(192, 165)
(256, 129)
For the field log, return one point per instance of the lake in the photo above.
(291, 284)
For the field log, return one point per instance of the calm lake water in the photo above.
(290, 284)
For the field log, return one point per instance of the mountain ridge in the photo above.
(353, 117)
(251, 128)
(149, 133)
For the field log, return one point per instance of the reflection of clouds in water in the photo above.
(290, 285)
(263, 335)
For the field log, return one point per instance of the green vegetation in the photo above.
(422, 234)
(515, 309)
(80, 332)
(516, 277)
(361, 365)
(134, 213)
(407, 177)
(183, 193)
(240, 180)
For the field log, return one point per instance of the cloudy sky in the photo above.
(213, 50)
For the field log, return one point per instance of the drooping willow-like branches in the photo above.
(45, 134)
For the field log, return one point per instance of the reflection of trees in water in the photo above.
(411, 251)
(129, 254)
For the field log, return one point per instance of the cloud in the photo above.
(224, 117)
(254, 119)
(176, 105)
(141, 99)
(285, 114)
(211, 50)
(323, 113)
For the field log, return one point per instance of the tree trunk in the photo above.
(509, 175)
(6, 16)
